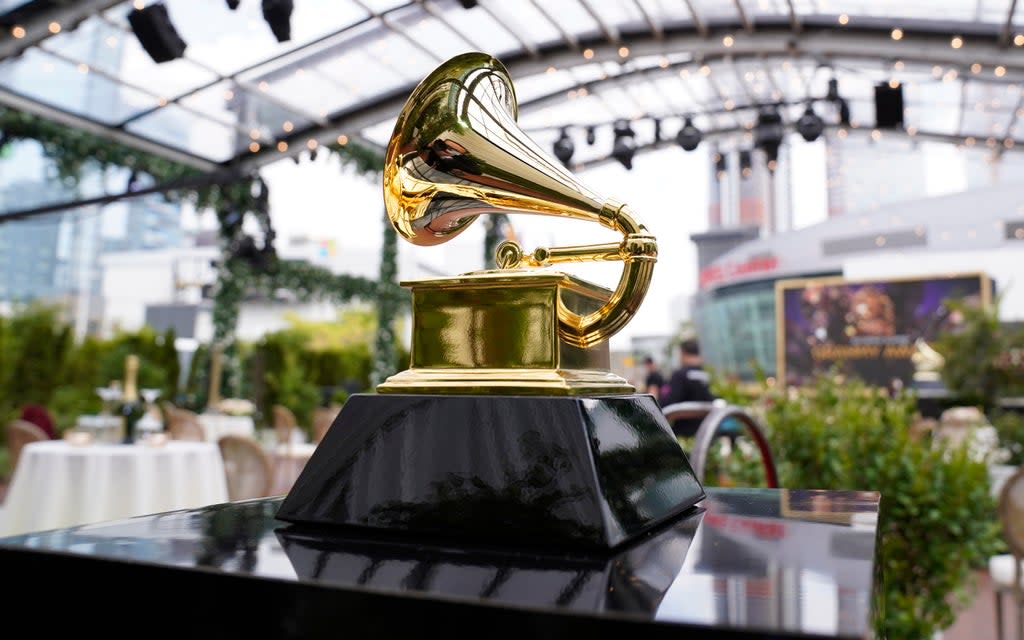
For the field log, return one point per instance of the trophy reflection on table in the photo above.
(508, 426)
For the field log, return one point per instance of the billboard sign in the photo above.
(872, 329)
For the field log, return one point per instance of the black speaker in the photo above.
(888, 106)
(152, 26)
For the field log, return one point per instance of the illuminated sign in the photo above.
(726, 271)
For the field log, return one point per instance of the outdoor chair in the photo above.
(20, 433)
(247, 467)
(721, 419)
(284, 423)
(185, 425)
(1006, 570)
(323, 418)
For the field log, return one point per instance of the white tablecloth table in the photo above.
(217, 426)
(58, 484)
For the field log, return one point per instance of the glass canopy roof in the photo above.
(238, 96)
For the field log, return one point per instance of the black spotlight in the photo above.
(689, 136)
(810, 125)
(624, 147)
(768, 133)
(467, 4)
(564, 148)
(233, 4)
(844, 112)
(720, 165)
(888, 106)
(278, 14)
(152, 26)
(591, 135)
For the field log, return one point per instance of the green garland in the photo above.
(390, 300)
(75, 153)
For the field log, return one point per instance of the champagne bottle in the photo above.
(132, 407)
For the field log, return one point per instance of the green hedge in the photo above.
(937, 522)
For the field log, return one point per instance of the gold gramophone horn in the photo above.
(457, 152)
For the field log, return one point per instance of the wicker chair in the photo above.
(247, 467)
(20, 433)
(323, 418)
(284, 423)
(185, 425)
(1007, 570)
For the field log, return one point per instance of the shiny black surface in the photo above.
(553, 471)
(747, 563)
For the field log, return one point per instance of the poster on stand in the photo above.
(880, 331)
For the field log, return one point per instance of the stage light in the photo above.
(689, 136)
(152, 26)
(591, 136)
(564, 147)
(278, 14)
(624, 147)
(768, 133)
(810, 125)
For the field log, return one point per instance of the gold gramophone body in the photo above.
(457, 153)
(508, 428)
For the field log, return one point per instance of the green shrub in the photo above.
(1010, 427)
(937, 521)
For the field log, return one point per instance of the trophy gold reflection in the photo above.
(508, 426)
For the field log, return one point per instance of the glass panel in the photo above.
(244, 112)
(716, 11)
(527, 22)
(108, 48)
(572, 17)
(43, 77)
(619, 15)
(480, 30)
(431, 33)
(179, 129)
(668, 13)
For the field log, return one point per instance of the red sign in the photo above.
(727, 271)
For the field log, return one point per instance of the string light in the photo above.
(876, 135)
(551, 70)
(311, 144)
(1019, 40)
(254, 134)
(342, 139)
(897, 34)
(282, 146)
(287, 126)
(18, 32)
(894, 84)
(1000, 71)
(844, 19)
(898, 65)
(254, 146)
(83, 68)
(588, 53)
(229, 94)
(54, 27)
(956, 42)
(705, 70)
(728, 41)
(623, 52)
(263, 85)
(975, 68)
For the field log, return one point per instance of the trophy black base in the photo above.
(567, 472)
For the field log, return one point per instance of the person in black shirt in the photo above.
(654, 380)
(689, 383)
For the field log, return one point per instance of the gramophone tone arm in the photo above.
(510, 255)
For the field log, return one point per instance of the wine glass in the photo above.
(109, 395)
